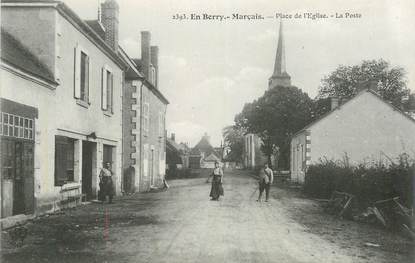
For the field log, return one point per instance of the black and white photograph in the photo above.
(207, 131)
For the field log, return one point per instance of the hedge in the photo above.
(368, 182)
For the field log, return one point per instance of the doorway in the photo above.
(151, 167)
(17, 182)
(88, 153)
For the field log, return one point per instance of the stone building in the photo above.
(61, 91)
(144, 118)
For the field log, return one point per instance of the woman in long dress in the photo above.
(106, 185)
(217, 189)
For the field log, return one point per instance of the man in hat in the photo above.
(266, 177)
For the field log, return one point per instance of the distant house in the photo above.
(184, 152)
(203, 155)
(365, 128)
(173, 154)
(253, 157)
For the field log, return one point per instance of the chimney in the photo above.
(145, 53)
(109, 19)
(173, 137)
(154, 50)
(334, 103)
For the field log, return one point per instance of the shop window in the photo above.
(64, 160)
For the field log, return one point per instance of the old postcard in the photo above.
(207, 131)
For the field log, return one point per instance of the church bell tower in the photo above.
(280, 76)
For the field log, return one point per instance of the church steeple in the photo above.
(280, 76)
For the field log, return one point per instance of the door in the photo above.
(87, 169)
(17, 182)
(151, 167)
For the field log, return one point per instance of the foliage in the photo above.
(234, 138)
(346, 81)
(275, 117)
(369, 183)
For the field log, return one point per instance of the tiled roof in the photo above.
(368, 90)
(205, 147)
(97, 27)
(16, 54)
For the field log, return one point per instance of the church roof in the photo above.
(279, 66)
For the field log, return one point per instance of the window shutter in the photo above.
(104, 88)
(87, 79)
(77, 78)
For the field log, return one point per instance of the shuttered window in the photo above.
(64, 160)
(82, 66)
(107, 98)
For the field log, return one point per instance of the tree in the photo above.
(346, 81)
(234, 138)
(275, 117)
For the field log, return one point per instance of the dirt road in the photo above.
(183, 225)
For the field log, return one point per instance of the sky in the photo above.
(209, 69)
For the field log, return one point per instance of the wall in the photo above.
(253, 156)
(42, 26)
(298, 157)
(151, 141)
(366, 129)
(130, 138)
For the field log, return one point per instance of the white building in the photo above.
(364, 129)
(66, 95)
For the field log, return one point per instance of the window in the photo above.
(107, 154)
(64, 160)
(153, 75)
(161, 124)
(16, 126)
(81, 75)
(7, 159)
(146, 116)
(107, 89)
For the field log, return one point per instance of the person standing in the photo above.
(106, 187)
(217, 188)
(266, 178)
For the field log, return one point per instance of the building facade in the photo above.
(203, 155)
(144, 118)
(78, 125)
(364, 130)
(253, 157)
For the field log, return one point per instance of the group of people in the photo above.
(266, 178)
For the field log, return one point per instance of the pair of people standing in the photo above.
(217, 189)
(106, 187)
(266, 178)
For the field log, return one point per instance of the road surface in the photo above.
(179, 225)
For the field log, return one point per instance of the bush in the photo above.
(369, 183)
